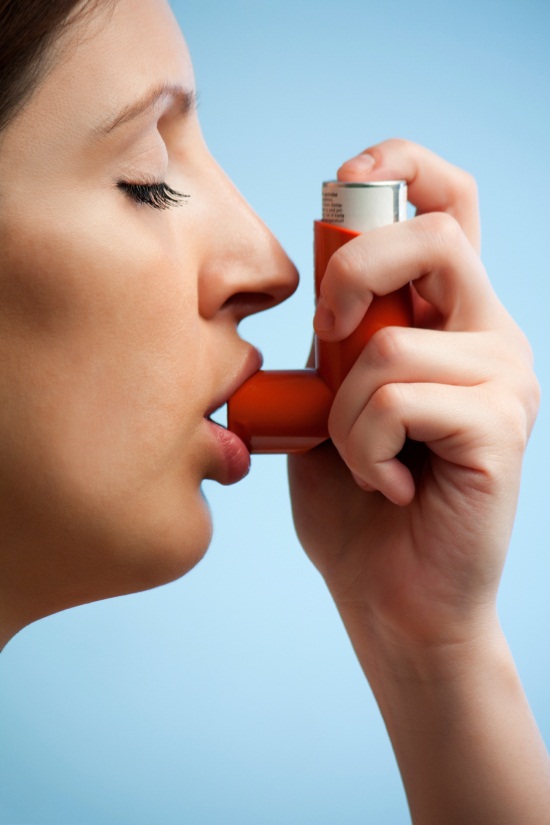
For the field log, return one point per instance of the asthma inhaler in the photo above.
(286, 411)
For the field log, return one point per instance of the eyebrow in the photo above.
(186, 97)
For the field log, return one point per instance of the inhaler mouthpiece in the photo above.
(286, 411)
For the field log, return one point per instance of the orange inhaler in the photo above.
(286, 411)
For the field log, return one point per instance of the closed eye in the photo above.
(157, 195)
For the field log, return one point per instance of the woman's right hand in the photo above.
(418, 549)
(412, 547)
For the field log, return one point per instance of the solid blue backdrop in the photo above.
(233, 695)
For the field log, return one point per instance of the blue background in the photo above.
(233, 695)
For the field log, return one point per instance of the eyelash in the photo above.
(157, 195)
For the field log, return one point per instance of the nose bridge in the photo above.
(249, 258)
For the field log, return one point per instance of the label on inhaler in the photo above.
(363, 206)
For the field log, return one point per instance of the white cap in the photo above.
(364, 206)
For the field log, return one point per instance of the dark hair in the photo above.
(28, 28)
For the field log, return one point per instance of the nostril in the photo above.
(247, 303)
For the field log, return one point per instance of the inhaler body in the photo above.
(286, 411)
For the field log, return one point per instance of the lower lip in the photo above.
(236, 457)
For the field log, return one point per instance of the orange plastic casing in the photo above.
(286, 411)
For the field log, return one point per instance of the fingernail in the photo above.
(360, 164)
(324, 317)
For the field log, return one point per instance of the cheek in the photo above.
(99, 362)
(62, 276)
(101, 308)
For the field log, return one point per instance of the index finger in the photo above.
(434, 184)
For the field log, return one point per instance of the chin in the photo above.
(167, 552)
(148, 548)
(76, 554)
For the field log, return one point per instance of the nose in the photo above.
(245, 269)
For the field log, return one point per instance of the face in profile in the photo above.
(128, 261)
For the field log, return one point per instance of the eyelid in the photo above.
(159, 195)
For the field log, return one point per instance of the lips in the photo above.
(253, 363)
(235, 458)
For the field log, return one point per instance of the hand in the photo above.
(413, 543)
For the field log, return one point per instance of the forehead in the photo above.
(109, 58)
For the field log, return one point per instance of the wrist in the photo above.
(462, 731)
(451, 653)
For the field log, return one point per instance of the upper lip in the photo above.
(252, 363)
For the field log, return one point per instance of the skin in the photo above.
(118, 335)
(412, 545)
(118, 321)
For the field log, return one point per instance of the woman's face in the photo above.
(118, 319)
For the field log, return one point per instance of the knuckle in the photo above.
(525, 348)
(524, 382)
(344, 267)
(442, 239)
(346, 275)
(502, 441)
(386, 400)
(398, 144)
(385, 347)
(517, 428)
(531, 398)
(440, 228)
(510, 427)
